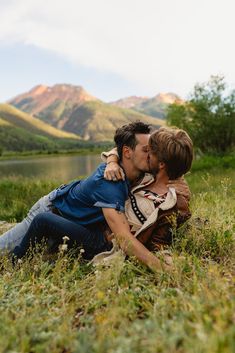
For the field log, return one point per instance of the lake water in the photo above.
(61, 168)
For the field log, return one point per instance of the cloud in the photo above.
(154, 43)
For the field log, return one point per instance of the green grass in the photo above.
(69, 306)
(14, 207)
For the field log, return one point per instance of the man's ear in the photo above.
(126, 152)
(162, 165)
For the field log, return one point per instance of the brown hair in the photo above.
(174, 147)
(125, 135)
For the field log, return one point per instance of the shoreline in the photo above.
(28, 155)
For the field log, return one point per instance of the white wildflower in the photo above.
(65, 239)
(64, 247)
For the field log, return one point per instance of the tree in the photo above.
(208, 116)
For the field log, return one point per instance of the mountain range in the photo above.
(69, 113)
(155, 106)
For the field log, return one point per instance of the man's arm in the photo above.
(128, 243)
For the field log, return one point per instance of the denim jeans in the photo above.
(49, 224)
(13, 237)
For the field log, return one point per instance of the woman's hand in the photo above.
(114, 172)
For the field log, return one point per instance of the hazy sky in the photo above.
(115, 48)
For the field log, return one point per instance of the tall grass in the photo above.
(65, 305)
(18, 194)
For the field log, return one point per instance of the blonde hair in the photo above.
(174, 147)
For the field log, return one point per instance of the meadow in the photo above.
(66, 305)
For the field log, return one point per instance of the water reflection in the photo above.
(51, 168)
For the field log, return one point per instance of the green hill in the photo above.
(20, 132)
(97, 121)
(23, 120)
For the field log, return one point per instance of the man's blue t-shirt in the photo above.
(82, 201)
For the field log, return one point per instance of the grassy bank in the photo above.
(65, 152)
(67, 306)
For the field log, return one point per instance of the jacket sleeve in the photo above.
(105, 155)
(160, 234)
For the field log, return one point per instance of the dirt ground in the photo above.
(4, 226)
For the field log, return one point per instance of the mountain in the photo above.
(155, 106)
(19, 131)
(52, 104)
(129, 102)
(72, 109)
(97, 121)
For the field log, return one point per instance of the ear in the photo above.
(162, 165)
(126, 152)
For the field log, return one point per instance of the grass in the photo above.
(68, 306)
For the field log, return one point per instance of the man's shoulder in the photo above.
(99, 172)
(99, 181)
(97, 175)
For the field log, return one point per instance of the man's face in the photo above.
(139, 155)
(153, 162)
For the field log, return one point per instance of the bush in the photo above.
(208, 116)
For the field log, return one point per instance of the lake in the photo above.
(51, 168)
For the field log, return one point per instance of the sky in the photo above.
(115, 48)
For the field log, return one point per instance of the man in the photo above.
(96, 200)
(155, 207)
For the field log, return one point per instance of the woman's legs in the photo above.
(49, 224)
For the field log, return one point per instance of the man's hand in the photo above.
(181, 187)
(113, 171)
(128, 243)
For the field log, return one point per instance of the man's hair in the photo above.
(174, 147)
(125, 135)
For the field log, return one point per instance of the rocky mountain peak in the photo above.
(167, 98)
(43, 97)
(37, 90)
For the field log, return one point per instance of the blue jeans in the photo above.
(10, 239)
(49, 224)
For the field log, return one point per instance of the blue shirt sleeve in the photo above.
(109, 194)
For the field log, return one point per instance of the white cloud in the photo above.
(159, 44)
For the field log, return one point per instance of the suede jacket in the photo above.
(153, 219)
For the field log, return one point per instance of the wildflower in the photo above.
(65, 239)
(137, 289)
(82, 251)
(64, 247)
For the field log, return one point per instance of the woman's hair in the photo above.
(174, 147)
